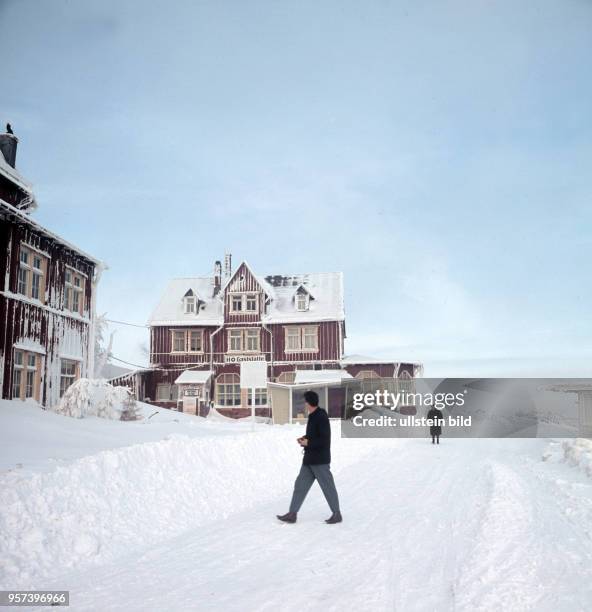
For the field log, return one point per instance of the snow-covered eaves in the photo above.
(195, 377)
(13, 175)
(26, 219)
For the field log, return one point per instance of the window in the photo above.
(303, 339)
(244, 302)
(260, 397)
(178, 341)
(302, 301)
(243, 340)
(293, 338)
(166, 392)
(228, 390)
(23, 280)
(163, 392)
(309, 336)
(31, 374)
(235, 340)
(237, 303)
(25, 375)
(31, 274)
(195, 341)
(68, 374)
(252, 339)
(186, 341)
(189, 304)
(73, 291)
(251, 301)
(17, 374)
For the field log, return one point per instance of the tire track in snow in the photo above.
(502, 571)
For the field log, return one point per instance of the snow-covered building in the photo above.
(203, 328)
(47, 296)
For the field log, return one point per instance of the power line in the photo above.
(129, 363)
(126, 323)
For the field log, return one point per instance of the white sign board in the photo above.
(253, 374)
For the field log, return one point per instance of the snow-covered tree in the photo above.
(103, 347)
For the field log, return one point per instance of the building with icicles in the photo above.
(47, 296)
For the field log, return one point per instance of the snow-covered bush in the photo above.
(93, 397)
(578, 453)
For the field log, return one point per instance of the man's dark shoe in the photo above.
(335, 518)
(290, 517)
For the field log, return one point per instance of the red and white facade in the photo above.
(203, 329)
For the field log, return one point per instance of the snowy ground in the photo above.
(181, 517)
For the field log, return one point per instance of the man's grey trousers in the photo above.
(308, 474)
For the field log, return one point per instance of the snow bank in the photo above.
(88, 397)
(107, 504)
(578, 453)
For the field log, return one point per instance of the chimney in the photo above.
(227, 265)
(8, 144)
(217, 276)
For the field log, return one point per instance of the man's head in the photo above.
(311, 399)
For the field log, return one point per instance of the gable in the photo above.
(244, 281)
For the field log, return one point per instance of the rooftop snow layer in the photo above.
(12, 174)
(198, 377)
(24, 217)
(170, 311)
(326, 304)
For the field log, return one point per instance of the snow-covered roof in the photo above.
(13, 175)
(353, 359)
(320, 376)
(195, 377)
(325, 287)
(363, 360)
(170, 309)
(24, 217)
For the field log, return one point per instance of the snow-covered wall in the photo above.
(42, 325)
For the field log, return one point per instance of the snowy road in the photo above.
(469, 525)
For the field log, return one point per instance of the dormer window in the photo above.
(302, 301)
(190, 303)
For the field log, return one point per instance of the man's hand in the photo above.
(303, 441)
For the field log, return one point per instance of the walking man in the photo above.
(436, 416)
(316, 463)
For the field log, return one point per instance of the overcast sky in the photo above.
(439, 153)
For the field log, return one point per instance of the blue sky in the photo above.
(438, 153)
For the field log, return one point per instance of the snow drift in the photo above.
(104, 505)
(578, 453)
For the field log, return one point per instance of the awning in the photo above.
(194, 377)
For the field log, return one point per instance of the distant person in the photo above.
(435, 428)
(9, 129)
(316, 462)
